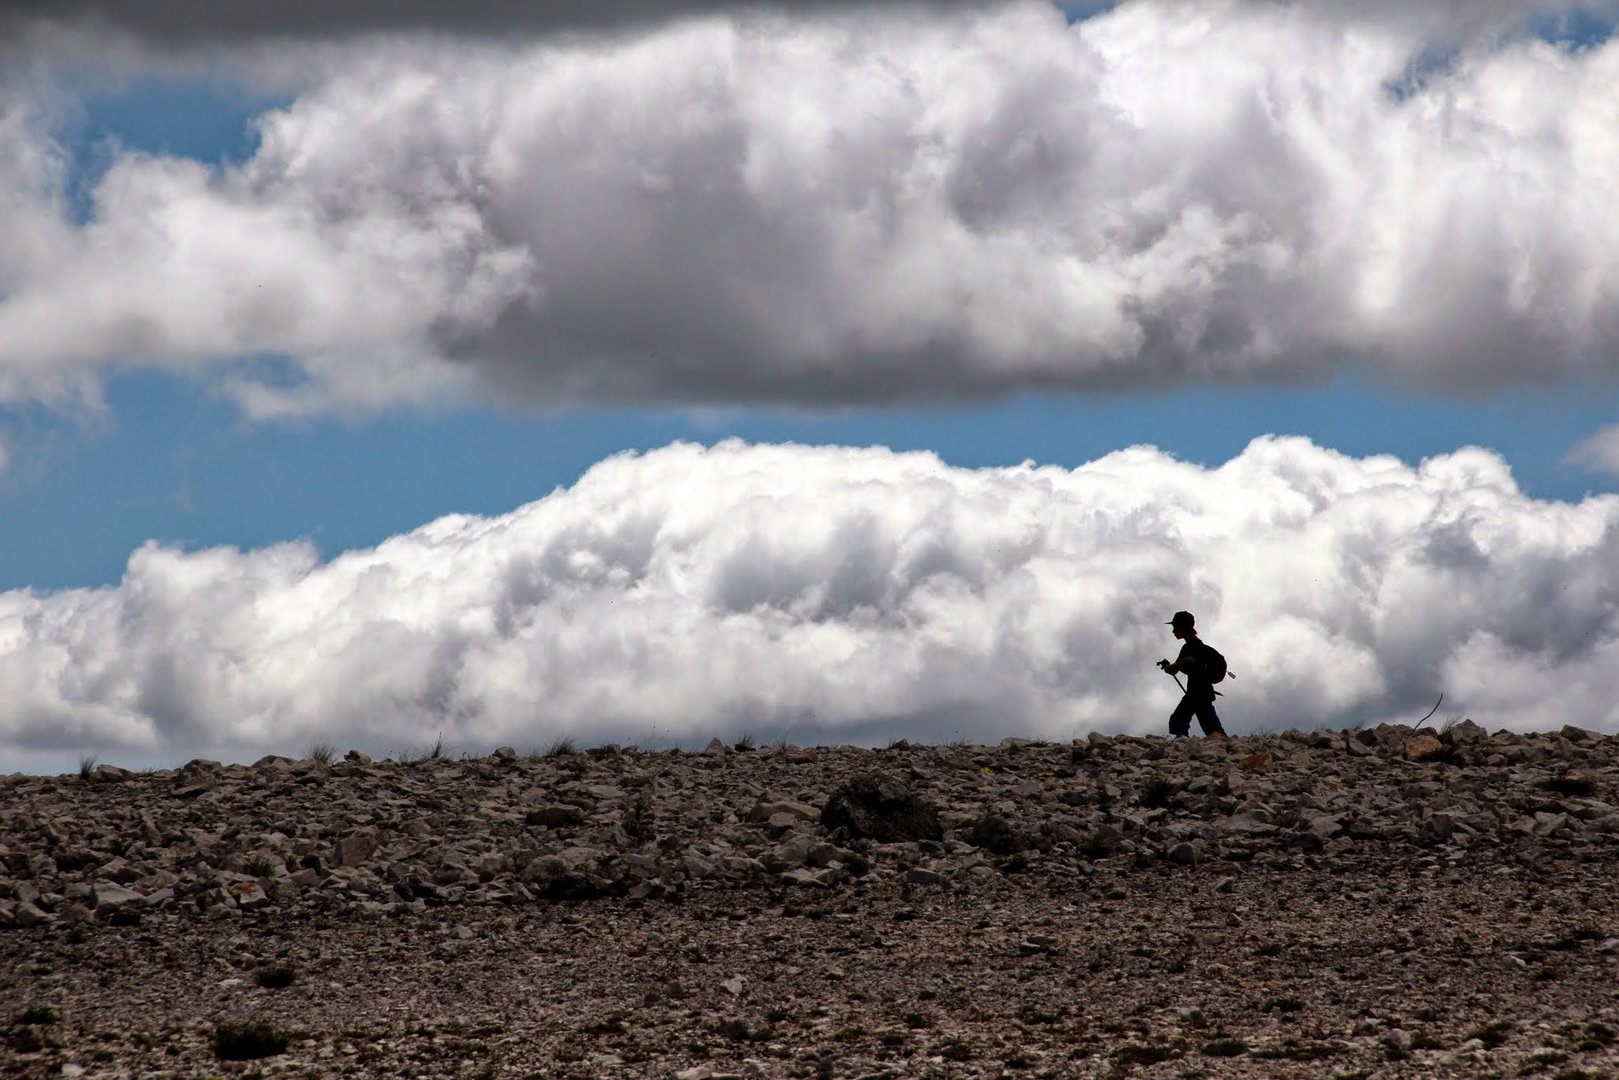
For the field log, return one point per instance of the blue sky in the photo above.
(173, 463)
(289, 282)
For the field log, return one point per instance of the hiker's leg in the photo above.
(1180, 721)
(1208, 719)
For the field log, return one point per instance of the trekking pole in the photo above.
(1177, 679)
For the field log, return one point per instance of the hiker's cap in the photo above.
(1182, 618)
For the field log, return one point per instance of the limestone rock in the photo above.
(1423, 748)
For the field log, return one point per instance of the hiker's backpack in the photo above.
(1213, 663)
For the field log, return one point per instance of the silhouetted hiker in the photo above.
(1203, 667)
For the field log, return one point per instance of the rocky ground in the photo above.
(1381, 902)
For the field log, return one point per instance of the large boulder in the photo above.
(878, 807)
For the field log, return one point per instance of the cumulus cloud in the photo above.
(879, 204)
(839, 594)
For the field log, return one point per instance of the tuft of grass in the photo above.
(639, 820)
(323, 752)
(744, 744)
(561, 746)
(248, 1041)
(87, 766)
(436, 752)
(259, 866)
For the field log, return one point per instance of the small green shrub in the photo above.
(1158, 794)
(1598, 1036)
(1570, 787)
(1225, 1048)
(1144, 1053)
(1285, 1004)
(276, 978)
(248, 1041)
(741, 1031)
(1099, 844)
(1492, 1034)
(1290, 1050)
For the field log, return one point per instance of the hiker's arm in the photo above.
(1187, 656)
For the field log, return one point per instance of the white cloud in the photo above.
(1599, 452)
(846, 594)
(877, 204)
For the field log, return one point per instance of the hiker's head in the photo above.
(1182, 623)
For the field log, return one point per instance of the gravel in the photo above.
(1380, 902)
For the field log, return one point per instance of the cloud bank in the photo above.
(199, 23)
(835, 594)
(853, 206)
